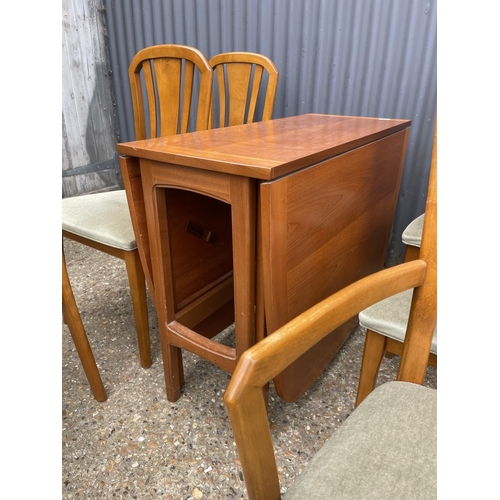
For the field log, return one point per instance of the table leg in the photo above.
(244, 249)
(173, 369)
(178, 329)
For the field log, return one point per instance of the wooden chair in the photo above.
(75, 325)
(240, 84)
(102, 220)
(357, 461)
(386, 322)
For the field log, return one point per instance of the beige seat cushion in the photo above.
(412, 235)
(389, 317)
(101, 217)
(385, 450)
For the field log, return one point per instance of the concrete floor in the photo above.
(137, 444)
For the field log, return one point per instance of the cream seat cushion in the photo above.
(412, 235)
(101, 217)
(389, 317)
(385, 450)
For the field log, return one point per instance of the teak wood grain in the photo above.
(240, 82)
(325, 227)
(283, 212)
(167, 73)
(74, 321)
(265, 150)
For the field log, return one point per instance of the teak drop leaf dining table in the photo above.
(254, 224)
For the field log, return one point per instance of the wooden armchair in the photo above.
(387, 447)
(386, 322)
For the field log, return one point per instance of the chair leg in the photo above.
(173, 370)
(75, 325)
(370, 364)
(137, 284)
(64, 314)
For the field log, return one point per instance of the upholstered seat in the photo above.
(390, 448)
(389, 317)
(93, 220)
(412, 235)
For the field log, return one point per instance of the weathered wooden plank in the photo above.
(88, 120)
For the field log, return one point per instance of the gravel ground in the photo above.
(137, 444)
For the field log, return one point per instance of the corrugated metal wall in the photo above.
(349, 57)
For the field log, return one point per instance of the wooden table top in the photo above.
(266, 150)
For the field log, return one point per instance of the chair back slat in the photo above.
(256, 83)
(138, 108)
(238, 78)
(187, 95)
(151, 98)
(168, 81)
(221, 83)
